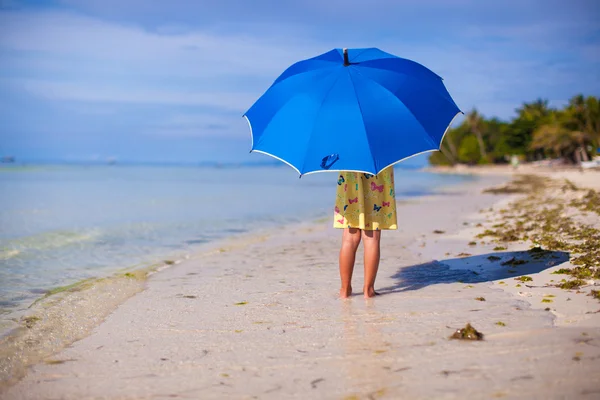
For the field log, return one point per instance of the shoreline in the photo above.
(415, 247)
(42, 330)
(63, 315)
(15, 319)
(583, 176)
(42, 260)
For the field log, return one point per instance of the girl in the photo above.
(365, 205)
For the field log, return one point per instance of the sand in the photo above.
(258, 317)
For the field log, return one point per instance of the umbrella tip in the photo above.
(346, 62)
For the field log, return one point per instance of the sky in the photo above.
(169, 81)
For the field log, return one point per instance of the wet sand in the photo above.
(259, 317)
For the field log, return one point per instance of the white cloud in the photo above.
(87, 92)
(192, 53)
(67, 56)
(201, 124)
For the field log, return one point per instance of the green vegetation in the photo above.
(536, 132)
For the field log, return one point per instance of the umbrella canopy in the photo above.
(351, 110)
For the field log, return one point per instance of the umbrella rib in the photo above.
(360, 53)
(408, 108)
(446, 96)
(426, 151)
(286, 102)
(363, 120)
(312, 132)
(277, 81)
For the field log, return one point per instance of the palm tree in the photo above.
(583, 115)
(475, 124)
(555, 136)
(537, 111)
(450, 152)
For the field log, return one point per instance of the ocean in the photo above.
(60, 224)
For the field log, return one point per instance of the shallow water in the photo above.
(61, 224)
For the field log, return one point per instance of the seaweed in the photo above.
(574, 284)
(500, 323)
(494, 258)
(57, 362)
(30, 321)
(467, 333)
(544, 219)
(524, 278)
(513, 262)
(537, 252)
(589, 202)
(480, 298)
(569, 186)
(562, 271)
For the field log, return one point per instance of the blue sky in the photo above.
(145, 80)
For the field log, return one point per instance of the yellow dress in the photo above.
(365, 201)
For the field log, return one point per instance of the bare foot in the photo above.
(345, 293)
(369, 293)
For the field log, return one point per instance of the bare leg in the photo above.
(350, 242)
(372, 251)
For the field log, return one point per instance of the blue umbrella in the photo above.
(351, 110)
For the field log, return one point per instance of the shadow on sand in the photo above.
(474, 269)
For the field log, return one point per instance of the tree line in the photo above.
(538, 132)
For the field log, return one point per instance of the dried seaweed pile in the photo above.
(545, 215)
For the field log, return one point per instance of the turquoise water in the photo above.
(61, 224)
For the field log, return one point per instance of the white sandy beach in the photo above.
(258, 317)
